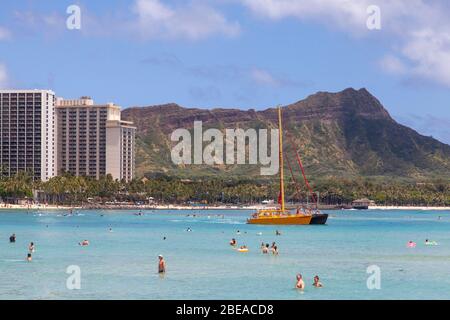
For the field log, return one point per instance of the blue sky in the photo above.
(234, 53)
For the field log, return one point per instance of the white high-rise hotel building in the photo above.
(28, 137)
(46, 136)
(93, 140)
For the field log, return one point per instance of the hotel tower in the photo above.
(93, 140)
(28, 139)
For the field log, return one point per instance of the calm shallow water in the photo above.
(201, 265)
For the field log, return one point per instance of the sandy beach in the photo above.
(8, 206)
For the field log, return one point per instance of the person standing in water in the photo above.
(317, 282)
(300, 283)
(31, 247)
(275, 250)
(161, 264)
(29, 258)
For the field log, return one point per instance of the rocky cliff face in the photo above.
(348, 133)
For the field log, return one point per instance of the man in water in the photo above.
(275, 250)
(161, 264)
(300, 283)
(29, 257)
(12, 238)
(233, 242)
(317, 282)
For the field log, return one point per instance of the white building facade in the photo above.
(93, 140)
(28, 133)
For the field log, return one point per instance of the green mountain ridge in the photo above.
(344, 134)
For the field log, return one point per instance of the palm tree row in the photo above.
(68, 189)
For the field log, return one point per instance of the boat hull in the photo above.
(319, 218)
(287, 220)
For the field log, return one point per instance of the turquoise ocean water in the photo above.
(201, 264)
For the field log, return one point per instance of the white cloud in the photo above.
(263, 77)
(429, 50)
(3, 76)
(4, 33)
(193, 21)
(341, 12)
(420, 29)
(392, 64)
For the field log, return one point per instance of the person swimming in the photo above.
(233, 242)
(243, 248)
(12, 238)
(277, 233)
(300, 283)
(411, 244)
(317, 282)
(161, 264)
(84, 243)
(189, 230)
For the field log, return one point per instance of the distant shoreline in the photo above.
(180, 207)
(408, 208)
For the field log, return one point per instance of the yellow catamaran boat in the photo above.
(280, 216)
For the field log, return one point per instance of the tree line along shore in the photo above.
(68, 190)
